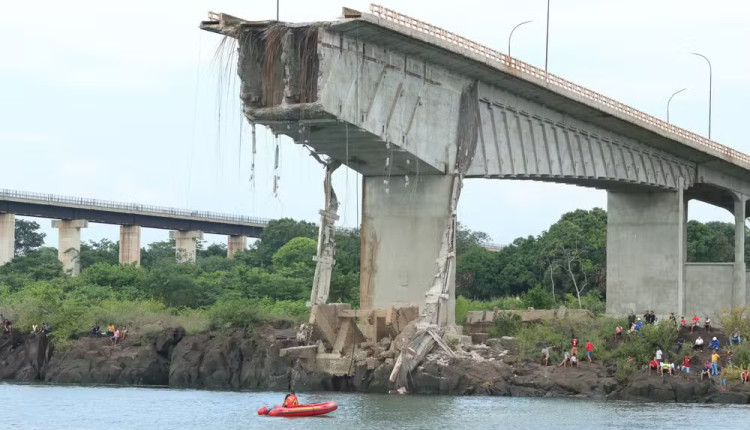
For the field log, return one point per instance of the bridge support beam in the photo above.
(130, 244)
(69, 243)
(646, 252)
(739, 290)
(186, 244)
(235, 244)
(7, 237)
(402, 231)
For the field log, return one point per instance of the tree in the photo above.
(467, 240)
(213, 250)
(103, 251)
(277, 233)
(712, 242)
(158, 253)
(28, 237)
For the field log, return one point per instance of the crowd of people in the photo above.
(35, 328)
(116, 335)
(570, 357)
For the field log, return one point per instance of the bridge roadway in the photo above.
(416, 109)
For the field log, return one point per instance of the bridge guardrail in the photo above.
(106, 204)
(535, 72)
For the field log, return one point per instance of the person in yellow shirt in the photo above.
(111, 330)
(715, 363)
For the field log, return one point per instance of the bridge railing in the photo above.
(129, 207)
(535, 72)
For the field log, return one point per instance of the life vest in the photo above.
(291, 401)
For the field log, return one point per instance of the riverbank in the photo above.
(237, 359)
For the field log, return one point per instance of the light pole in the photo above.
(710, 84)
(511, 34)
(670, 101)
(277, 10)
(546, 46)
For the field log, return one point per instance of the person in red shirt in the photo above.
(686, 366)
(574, 347)
(589, 350)
(653, 365)
(694, 322)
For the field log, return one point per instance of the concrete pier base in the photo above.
(402, 231)
(646, 252)
(130, 244)
(69, 244)
(235, 244)
(186, 244)
(7, 237)
(739, 281)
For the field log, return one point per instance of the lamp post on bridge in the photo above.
(511, 34)
(670, 101)
(710, 84)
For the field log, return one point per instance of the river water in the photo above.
(58, 407)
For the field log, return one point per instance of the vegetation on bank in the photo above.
(565, 265)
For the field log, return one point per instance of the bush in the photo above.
(246, 312)
(539, 298)
(464, 305)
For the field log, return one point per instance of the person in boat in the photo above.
(290, 401)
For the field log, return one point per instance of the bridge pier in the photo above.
(7, 237)
(130, 244)
(739, 289)
(402, 232)
(186, 244)
(236, 244)
(646, 249)
(69, 243)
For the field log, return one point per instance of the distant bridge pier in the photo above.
(7, 237)
(69, 243)
(186, 244)
(130, 244)
(236, 243)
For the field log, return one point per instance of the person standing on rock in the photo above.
(589, 350)
(686, 366)
(566, 360)
(574, 347)
(707, 325)
(631, 319)
(715, 363)
(745, 375)
(659, 354)
(694, 322)
(723, 378)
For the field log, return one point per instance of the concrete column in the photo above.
(130, 244)
(7, 237)
(186, 244)
(69, 244)
(402, 232)
(645, 252)
(739, 283)
(235, 244)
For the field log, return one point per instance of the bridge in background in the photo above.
(416, 109)
(73, 213)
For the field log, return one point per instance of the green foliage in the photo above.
(37, 265)
(712, 242)
(246, 312)
(299, 250)
(27, 237)
(104, 251)
(539, 298)
(277, 233)
(625, 370)
(505, 324)
(643, 345)
(158, 253)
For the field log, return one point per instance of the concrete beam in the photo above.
(130, 244)
(69, 243)
(7, 237)
(235, 244)
(186, 244)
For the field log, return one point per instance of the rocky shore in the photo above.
(250, 360)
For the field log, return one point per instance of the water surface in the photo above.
(63, 407)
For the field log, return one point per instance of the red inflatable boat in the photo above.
(306, 410)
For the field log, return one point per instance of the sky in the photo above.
(126, 101)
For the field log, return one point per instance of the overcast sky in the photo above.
(121, 100)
